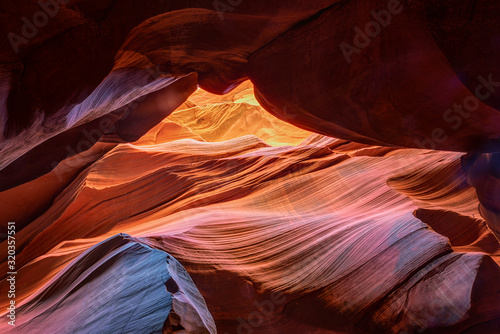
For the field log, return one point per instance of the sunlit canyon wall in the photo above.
(249, 167)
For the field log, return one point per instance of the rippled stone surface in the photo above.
(331, 193)
(326, 235)
(139, 291)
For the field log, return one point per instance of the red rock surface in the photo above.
(352, 237)
(109, 127)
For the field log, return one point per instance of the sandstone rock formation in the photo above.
(350, 186)
(140, 290)
(279, 238)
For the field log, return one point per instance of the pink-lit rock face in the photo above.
(147, 289)
(327, 235)
(395, 88)
(412, 85)
(350, 186)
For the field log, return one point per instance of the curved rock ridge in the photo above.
(415, 82)
(427, 78)
(129, 123)
(151, 205)
(140, 290)
(464, 233)
(219, 118)
(24, 202)
(104, 56)
(281, 239)
(439, 186)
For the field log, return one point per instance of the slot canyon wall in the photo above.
(250, 167)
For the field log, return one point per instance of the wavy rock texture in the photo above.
(103, 56)
(141, 290)
(326, 236)
(281, 230)
(234, 115)
(23, 203)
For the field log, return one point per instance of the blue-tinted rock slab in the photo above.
(118, 286)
